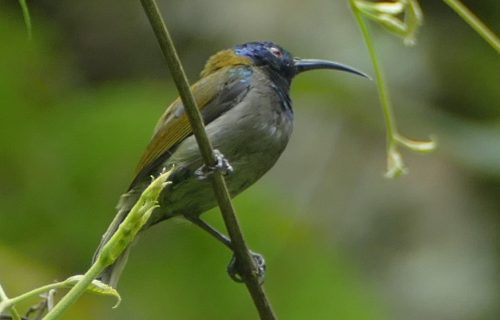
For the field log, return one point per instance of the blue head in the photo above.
(268, 54)
(281, 62)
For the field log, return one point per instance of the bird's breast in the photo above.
(251, 135)
(254, 133)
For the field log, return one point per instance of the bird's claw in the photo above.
(233, 269)
(221, 165)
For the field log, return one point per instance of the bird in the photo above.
(243, 95)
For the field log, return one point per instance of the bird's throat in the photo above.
(281, 85)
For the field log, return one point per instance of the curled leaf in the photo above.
(96, 287)
(418, 146)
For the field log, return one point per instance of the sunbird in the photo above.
(244, 97)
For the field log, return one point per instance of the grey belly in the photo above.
(251, 138)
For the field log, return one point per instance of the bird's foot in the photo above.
(234, 267)
(221, 165)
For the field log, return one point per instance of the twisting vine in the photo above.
(404, 18)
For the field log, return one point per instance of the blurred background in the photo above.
(78, 104)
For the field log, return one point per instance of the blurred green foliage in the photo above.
(67, 153)
(78, 104)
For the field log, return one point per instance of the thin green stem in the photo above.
(249, 269)
(382, 89)
(75, 292)
(26, 15)
(33, 293)
(476, 24)
(13, 311)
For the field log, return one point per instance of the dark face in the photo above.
(269, 54)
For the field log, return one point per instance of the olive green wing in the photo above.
(214, 95)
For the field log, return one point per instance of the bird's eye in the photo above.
(276, 52)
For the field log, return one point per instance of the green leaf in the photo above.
(418, 146)
(96, 287)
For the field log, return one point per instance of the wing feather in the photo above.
(212, 100)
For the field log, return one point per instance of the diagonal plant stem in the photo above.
(476, 24)
(249, 269)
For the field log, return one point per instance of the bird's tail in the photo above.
(112, 273)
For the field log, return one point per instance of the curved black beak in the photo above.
(302, 65)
